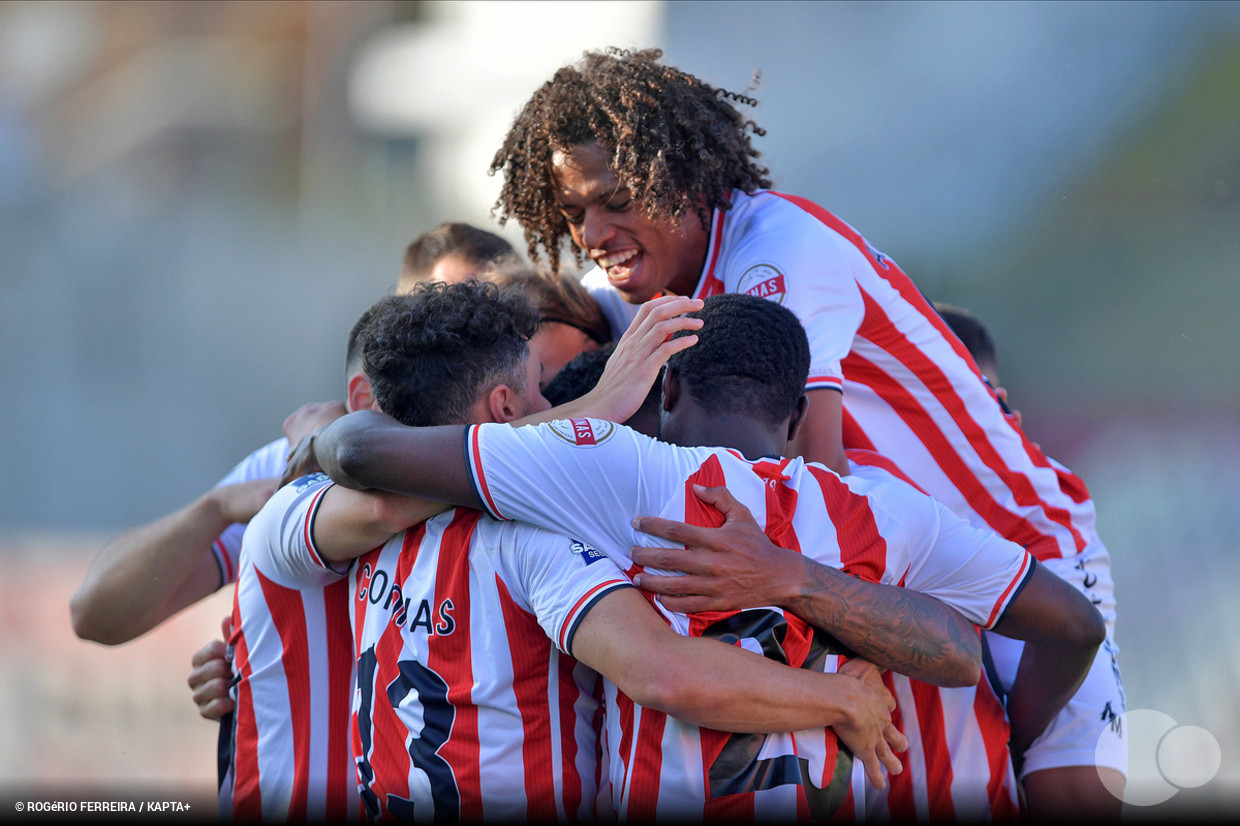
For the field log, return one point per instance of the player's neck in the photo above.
(749, 437)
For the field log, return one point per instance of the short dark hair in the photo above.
(559, 296)
(676, 142)
(579, 376)
(971, 332)
(476, 245)
(430, 353)
(752, 357)
(353, 350)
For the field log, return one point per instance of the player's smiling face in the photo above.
(641, 256)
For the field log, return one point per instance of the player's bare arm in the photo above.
(348, 523)
(736, 566)
(1062, 631)
(148, 573)
(820, 437)
(711, 684)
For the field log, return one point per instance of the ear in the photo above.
(503, 404)
(360, 396)
(798, 417)
(671, 389)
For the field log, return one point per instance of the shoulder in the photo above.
(269, 460)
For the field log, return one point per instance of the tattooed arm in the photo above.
(736, 566)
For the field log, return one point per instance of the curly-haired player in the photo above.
(616, 152)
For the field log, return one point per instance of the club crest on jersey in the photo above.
(764, 281)
(583, 432)
(588, 553)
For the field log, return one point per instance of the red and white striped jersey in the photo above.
(293, 677)
(469, 707)
(911, 390)
(958, 765)
(265, 463)
(595, 477)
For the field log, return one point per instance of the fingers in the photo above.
(217, 708)
(226, 627)
(722, 500)
(667, 306)
(896, 740)
(214, 650)
(873, 770)
(212, 699)
(670, 529)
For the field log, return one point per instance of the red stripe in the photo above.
(710, 284)
(863, 550)
(388, 758)
(340, 770)
(1010, 525)
(569, 694)
(476, 451)
(934, 746)
(647, 767)
(451, 656)
(308, 527)
(901, 807)
(823, 382)
(288, 615)
(1024, 568)
(878, 328)
(627, 730)
(571, 616)
(531, 654)
(993, 724)
(854, 435)
(226, 563)
(247, 802)
(872, 458)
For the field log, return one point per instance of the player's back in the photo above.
(662, 768)
(293, 667)
(466, 710)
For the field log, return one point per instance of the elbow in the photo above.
(345, 463)
(1091, 631)
(90, 623)
(966, 670)
(677, 694)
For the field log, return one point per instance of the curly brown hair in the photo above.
(676, 142)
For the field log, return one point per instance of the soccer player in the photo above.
(650, 173)
(594, 475)
(452, 252)
(570, 322)
(465, 709)
(150, 572)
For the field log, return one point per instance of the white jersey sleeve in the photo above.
(562, 578)
(975, 571)
(581, 477)
(773, 249)
(265, 463)
(279, 541)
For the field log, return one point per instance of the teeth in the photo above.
(609, 261)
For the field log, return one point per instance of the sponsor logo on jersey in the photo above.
(764, 281)
(588, 553)
(583, 432)
(310, 479)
